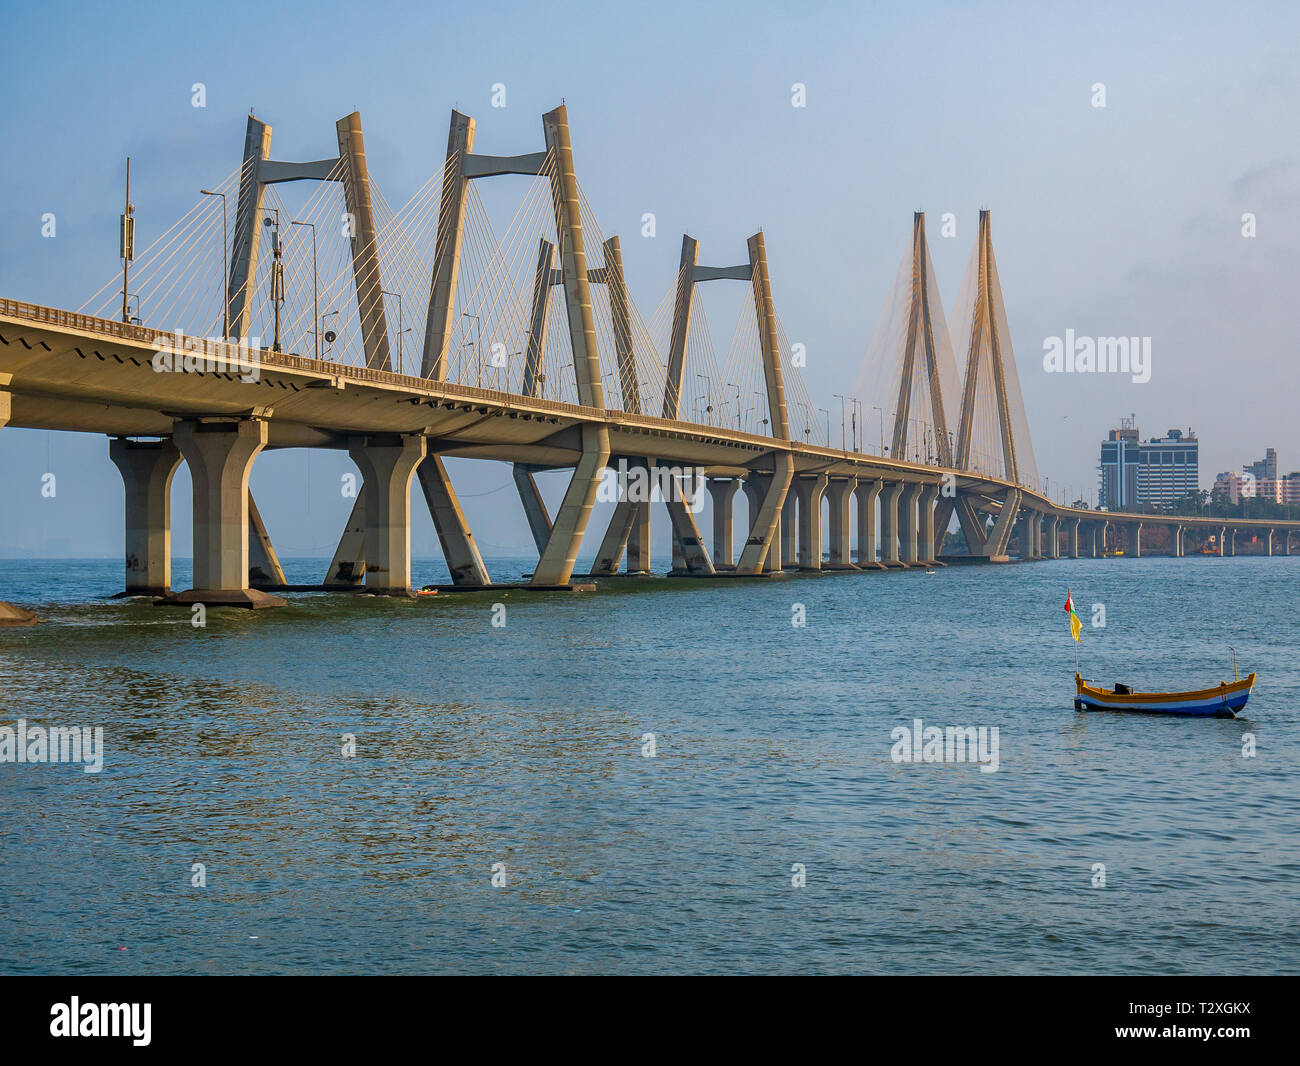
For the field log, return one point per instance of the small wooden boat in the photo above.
(1221, 702)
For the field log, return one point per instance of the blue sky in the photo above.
(1117, 221)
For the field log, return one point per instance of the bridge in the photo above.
(412, 335)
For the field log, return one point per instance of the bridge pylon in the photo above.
(920, 341)
(690, 550)
(992, 431)
(558, 539)
(349, 168)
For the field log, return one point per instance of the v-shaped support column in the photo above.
(999, 536)
(459, 548)
(560, 553)
(347, 570)
(764, 528)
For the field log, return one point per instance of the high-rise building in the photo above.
(1119, 467)
(1155, 472)
(1266, 468)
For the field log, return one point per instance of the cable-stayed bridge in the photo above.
(293, 307)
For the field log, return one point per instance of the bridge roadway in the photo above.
(62, 370)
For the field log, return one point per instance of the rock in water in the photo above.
(16, 616)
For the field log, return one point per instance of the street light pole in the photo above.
(401, 366)
(708, 390)
(882, 428)
(277, 271)
(478, 336)
(315, 286)
(225, 267)
(843, 445)
(128, 245)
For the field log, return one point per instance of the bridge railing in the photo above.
(54, 316)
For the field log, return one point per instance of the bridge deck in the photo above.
(75, 372)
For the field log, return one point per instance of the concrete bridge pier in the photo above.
(1054, 537)
(690, 556)
(347, 569)
(555, 567)
(839, 493)
(889, 533)
(790, 529)
(1232, 542)
(723, 492)
(9, 614)
(1026, 531)
(629, 530)
(616, 538)
(220, 457)
(264, 570)
(1268, 542)
(1135, 539)
(1037, 537)
(926, 530)
(907, 523)
(459, 548)
(638, 540)
(810, 491)
(1073, 534)
(147, 469)
(539, 519)
(387, 464)
(1176, 541)
(766, 494)
(756, 487)
(867, 492)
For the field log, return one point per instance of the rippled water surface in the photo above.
(522, 745)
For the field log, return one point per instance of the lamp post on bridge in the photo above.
(127, 245)
(400, 331)
(478, 336)
(843, 444)
(807, 420)
(277, 269)
(329, 334)
(315, 283)
(225, 266)
(828, 425)
(708, 390)
(882, 427)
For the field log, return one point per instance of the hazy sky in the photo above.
(1123, 220)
